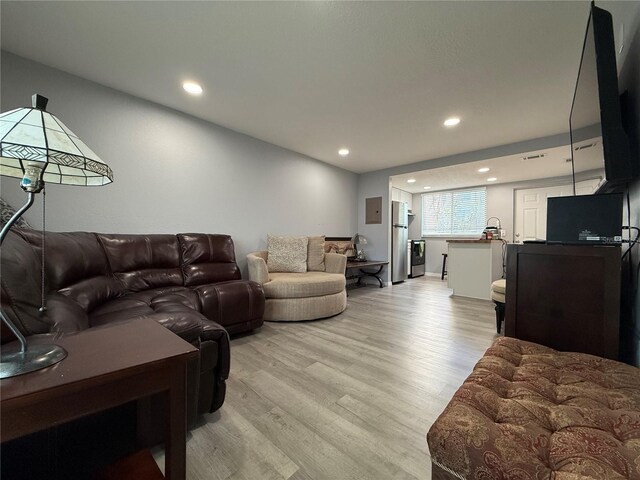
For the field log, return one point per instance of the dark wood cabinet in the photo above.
(566, 297)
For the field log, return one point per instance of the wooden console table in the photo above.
(566, 297)
(368, 264)
(106, 367)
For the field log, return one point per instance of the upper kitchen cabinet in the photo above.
(407, 198)
(398, 195)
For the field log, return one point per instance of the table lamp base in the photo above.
(15, 362)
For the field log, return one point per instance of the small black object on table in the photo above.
(361, 265)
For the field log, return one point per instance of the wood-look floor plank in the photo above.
(349, 397)
(317, 457)
(251, 443)
(362, 445)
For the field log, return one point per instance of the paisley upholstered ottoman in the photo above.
(530, 412)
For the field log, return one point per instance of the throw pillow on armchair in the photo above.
(287, 254)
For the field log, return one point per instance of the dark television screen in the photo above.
(598, 141)
(585, 219)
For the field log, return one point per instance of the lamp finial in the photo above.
(39, 102)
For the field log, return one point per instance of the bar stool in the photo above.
(444, 266)
(498, 295)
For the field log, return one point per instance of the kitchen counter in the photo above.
(472, 266)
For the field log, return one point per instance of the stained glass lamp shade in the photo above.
(38, 148)
(33, 136)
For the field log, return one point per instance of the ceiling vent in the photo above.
(535, 157)
(583, 147)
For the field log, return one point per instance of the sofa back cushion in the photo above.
(207, 258)
(21, 283)
(315, 254)
(75, 266)
(143, 262)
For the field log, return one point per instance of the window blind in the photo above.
(457, 213)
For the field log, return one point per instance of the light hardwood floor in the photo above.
(350, 397)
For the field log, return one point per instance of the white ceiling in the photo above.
(508, 169)
(376, 77)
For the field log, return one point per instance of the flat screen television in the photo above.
(598, 140)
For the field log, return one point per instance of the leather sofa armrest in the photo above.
(66, 315)
(237, 305)
(213, 332)
(335, 263)
(215, 342)
(257, 264)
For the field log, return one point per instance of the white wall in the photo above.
(175, 173)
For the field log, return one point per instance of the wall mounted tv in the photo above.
(598, 140)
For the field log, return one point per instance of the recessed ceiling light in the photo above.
(484, 169)
(491, 179)
(451, 122)
(343, 152)
(411, 180)
(426, 188)
(192, 88)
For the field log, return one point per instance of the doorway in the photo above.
(531, 208)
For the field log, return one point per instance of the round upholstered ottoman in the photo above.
(530, 412)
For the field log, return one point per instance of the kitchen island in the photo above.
(472, 265)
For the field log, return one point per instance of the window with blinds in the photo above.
(458, 213)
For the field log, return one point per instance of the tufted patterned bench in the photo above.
(530, 412)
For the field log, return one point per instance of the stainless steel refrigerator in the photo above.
(399, 236)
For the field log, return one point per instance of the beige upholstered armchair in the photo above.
(301, 296)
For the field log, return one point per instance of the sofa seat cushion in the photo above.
(530, 412)
(176, 308)
(302, 285)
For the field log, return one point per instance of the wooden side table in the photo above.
(365, 273)
(106, 367)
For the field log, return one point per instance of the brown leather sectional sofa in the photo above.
(190, 283)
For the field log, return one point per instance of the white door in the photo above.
(531, 211)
